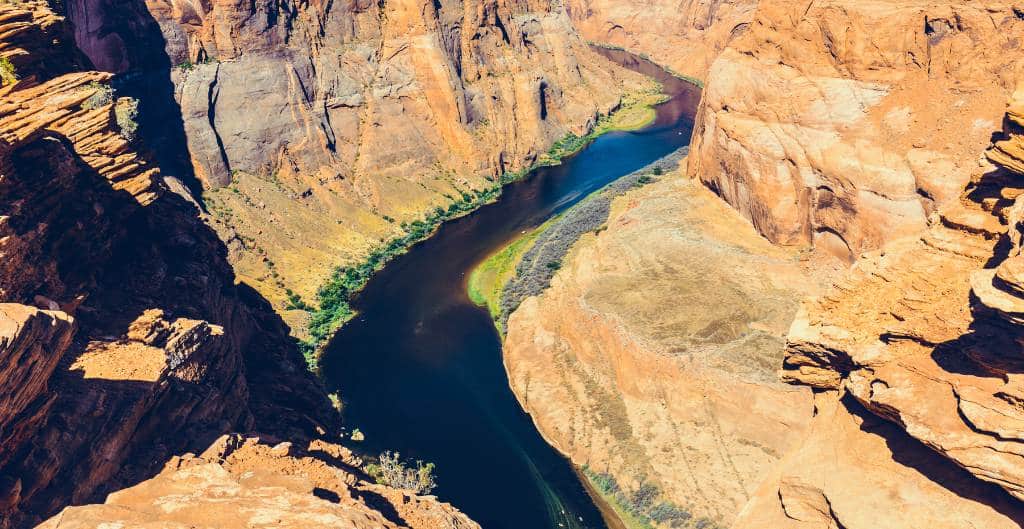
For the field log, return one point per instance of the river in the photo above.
(420, 369)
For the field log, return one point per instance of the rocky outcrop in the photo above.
(124, 339)
(651, 358)
(319, 129)
(845, 125)
(925, 336)
(246, 482)
(684, 36)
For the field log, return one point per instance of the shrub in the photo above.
(643, 497)
(102, 96)
(126, 113)
(644, 179)
(8, 75)
(658, 171)
(295, 301)
(393, 472)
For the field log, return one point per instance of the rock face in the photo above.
(246, 483)
(924, 334)
(652, 356)
(685, 36)
(319, 128)
(844, 125)
(875, 132)
(123, 337)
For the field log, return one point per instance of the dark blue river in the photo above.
(420, 369)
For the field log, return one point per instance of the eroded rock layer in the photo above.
(848, 124)
(652, 356)
(247, 482)
(319, 129)
(926, 335)
(123, 336)
(684, 36)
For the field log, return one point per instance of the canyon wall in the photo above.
(873, 132)
(124, 339)
(651, 358)
(844, 125)
(685, 36)
(319, 129)
(917, 353)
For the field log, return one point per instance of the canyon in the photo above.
(319, 131)
(810, 318)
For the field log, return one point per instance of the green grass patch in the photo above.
(487, 281)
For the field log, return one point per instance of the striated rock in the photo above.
(652, 356)
(683, 36)
(165, 352)
(855, 471)
(31, 344)
(924, 334)
(845, 125)
(318, 129)
(241, 482)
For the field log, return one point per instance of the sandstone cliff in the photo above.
(651, 358)
(684, 36)
(853, 128)
(241, 482)
(848, 124)
(319, 129)
(123, 336)
(921, 342)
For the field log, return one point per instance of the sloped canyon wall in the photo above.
(871, 143)
(318, 129)
(124, 338)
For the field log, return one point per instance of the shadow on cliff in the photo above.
(107, 259)
(914, 454)
(143, 70)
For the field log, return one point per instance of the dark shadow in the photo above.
(106, 259)
(325, 494)
(382, 505)
(914, 454)
(148, 79)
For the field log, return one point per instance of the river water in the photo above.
(420, 369)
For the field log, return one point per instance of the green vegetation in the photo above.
(332, 298)
(488, 279)
(8, 75)
(393, 472)
(102, 96)
(295, 302)
(126, 115)
(641, 508)
(636, 111)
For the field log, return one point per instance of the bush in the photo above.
(393, 472)
(102, 96)
(126, 113)
(658, 171)
(8, 75)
